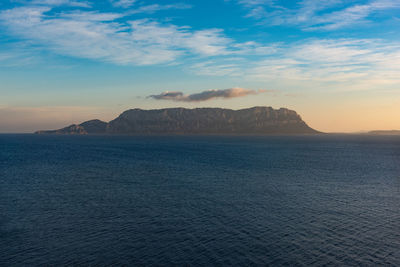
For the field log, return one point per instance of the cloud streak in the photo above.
(345, 64)
(206, 95)
(72, 3)
(110, 37)
(122, 3)
(317, 15)
(95, 35)
(150, 9)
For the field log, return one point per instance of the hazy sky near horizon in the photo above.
(336, 62)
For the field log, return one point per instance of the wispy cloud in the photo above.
(95, 35)
(338, 61)
(19, 55)
(73, 3)
(16, 58)
(149, 9)
(217, 68)
(102, 36)
(206, 95)
(122, 3)
(349, 64)
(317, 15)
(115, 38)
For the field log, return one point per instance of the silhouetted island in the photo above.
(384, 132)
(256, 120)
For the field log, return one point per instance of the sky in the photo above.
(335, 62)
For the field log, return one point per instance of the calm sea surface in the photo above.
(202, 201)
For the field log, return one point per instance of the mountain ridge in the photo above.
(255, 120)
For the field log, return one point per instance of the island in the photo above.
(255, 120)
(385, 132)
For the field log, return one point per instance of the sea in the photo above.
(325, 200)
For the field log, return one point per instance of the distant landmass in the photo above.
(390, 132)
(256, 120)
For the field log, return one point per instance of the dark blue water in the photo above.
(202, 201)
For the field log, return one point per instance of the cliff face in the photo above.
(94, 126)
(257, 120)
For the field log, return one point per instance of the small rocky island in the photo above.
(383, 132)
(256, 120)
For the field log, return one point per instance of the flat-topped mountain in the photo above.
(256, 120)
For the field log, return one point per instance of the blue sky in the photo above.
(336, 62)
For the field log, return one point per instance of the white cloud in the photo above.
(17, 58)
(95, 35)
(74, 3)
(216, 68)
(102, 36)
(313, 15)
(123, 3)
(344, 64)
(149, 9)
